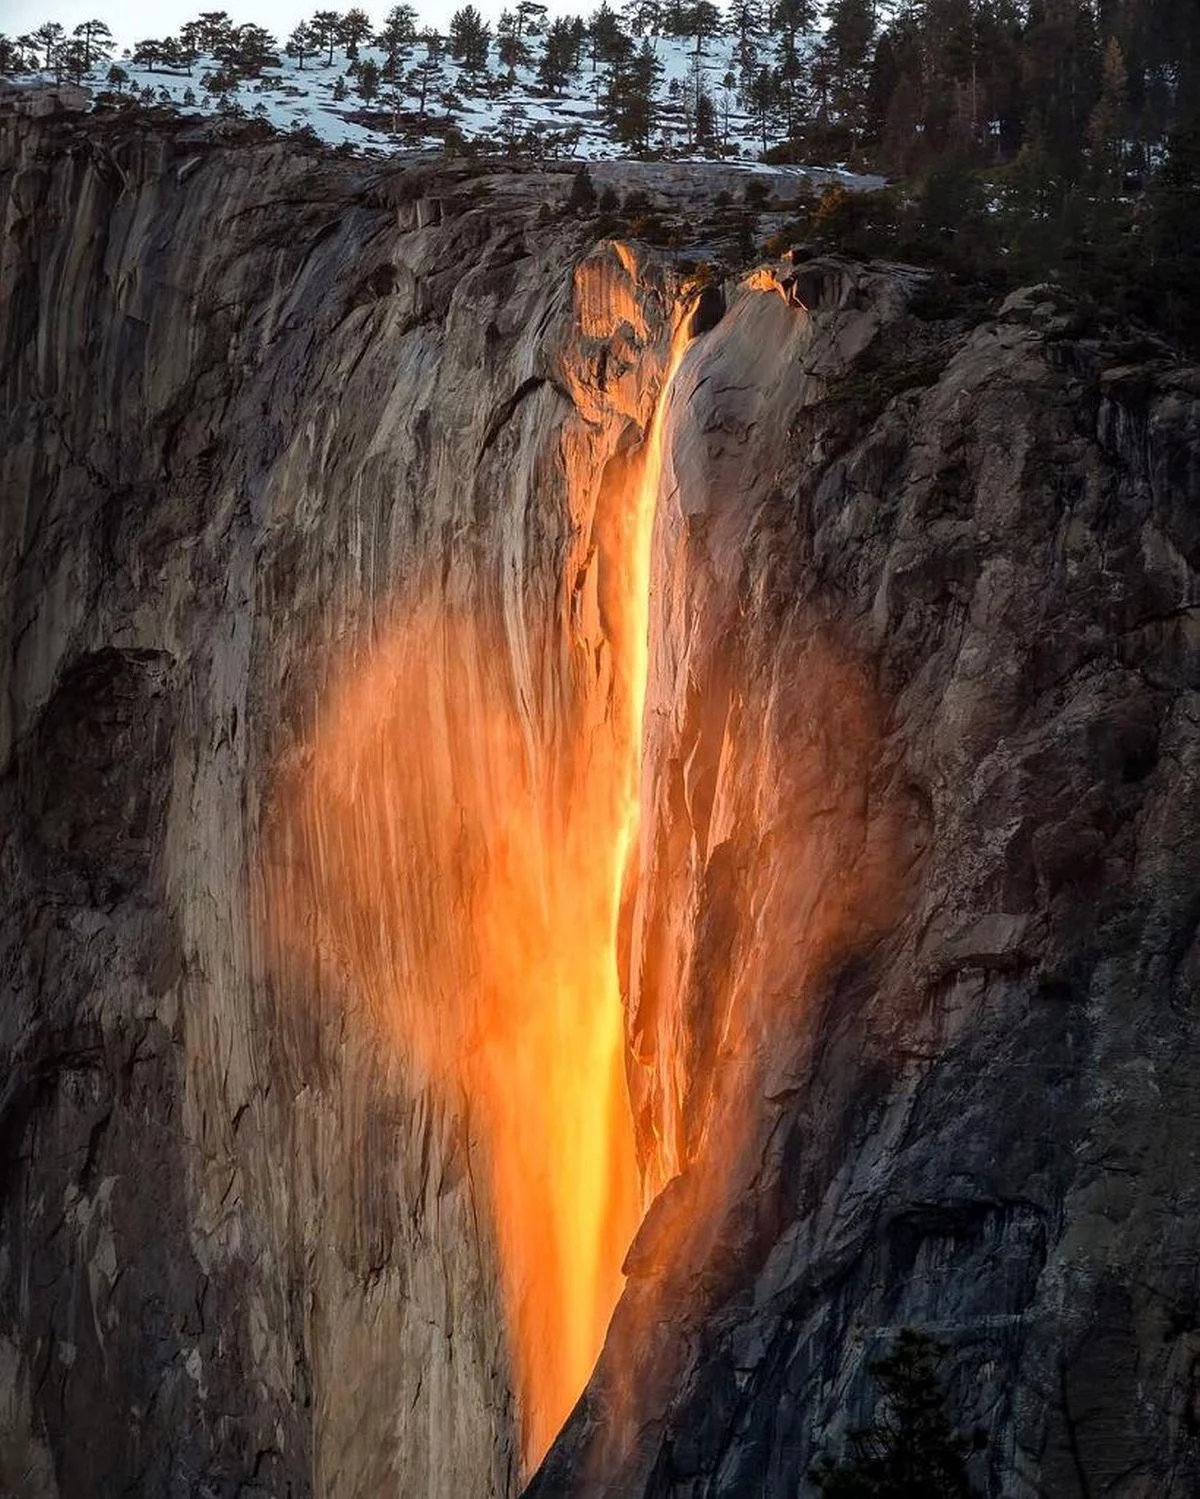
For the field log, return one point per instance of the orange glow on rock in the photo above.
(455, 866)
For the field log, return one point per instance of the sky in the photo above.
(131, 20)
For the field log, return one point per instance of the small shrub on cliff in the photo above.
(582, 197)
(910, 1450)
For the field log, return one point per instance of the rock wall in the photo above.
(910, 952)
(913, 1001)
(253, 398)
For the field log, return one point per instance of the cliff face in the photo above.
(293, 450)
(914, 974)
(255, 405)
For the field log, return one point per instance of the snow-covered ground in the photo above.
(290, 97)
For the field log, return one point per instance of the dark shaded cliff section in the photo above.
(979, 1113)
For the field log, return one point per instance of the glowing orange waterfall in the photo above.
(475, 908)
(561, 1133)
(637, 625)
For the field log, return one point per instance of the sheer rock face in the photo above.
(251, 399)
(912, 958)
(913, 1001)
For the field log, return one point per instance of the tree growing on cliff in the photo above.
(72, 59)
(96, 40)
(48, 37)
(582, 197)
(12, 55)
(910, 1450)
(1173, 232)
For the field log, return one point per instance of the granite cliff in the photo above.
(907, 944)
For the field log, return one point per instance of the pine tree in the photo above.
(248, 51)
(1061, 58)
(789, 76)
(845, 51)
(512, 51)
(470, 37)
(301, 44)
(910, 1449)
(703, 23)
(706, 123)
(72, 59)
(148, 53)
(326, 26)
(49, 37)
(531, 17)
(97, 42)
(745, 19)
(760, 101)
(1106, 127)
(557, 61)
(427, 76)
(368, 79)
(396, 37)
(582, 197)
(189, 44)
(354, 29)
(642, 17)
(629, 99)
(609, 42)
(212, 28)
(793, 18)
(675, 18)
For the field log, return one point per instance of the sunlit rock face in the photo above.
(393, 701)
(317, 749)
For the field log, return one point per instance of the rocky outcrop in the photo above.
(909, 949)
